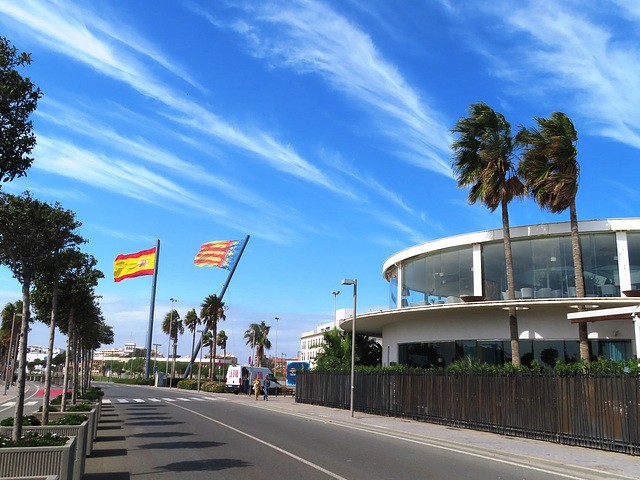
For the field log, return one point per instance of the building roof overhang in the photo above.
(374, 323)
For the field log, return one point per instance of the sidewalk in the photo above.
(579, 461)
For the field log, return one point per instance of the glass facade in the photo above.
(543, 268)
(633, 244)
(497, 352)
(440, 277)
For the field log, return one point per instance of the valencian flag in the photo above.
(134, 264)
(221, 253)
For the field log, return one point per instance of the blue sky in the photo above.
(320, 128)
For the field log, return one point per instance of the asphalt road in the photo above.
(175, 434)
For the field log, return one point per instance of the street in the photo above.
(147, 432)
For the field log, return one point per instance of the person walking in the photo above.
(256, 387)
(265, 386)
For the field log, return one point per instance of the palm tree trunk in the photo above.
(16, 432)
(576, 249)
(513, 316)
(214, 332)
(47, 371)
(193, 349)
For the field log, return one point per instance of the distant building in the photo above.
(311, 342)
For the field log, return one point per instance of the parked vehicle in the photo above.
(237, 373)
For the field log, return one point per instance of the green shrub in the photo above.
(71, 419)
(210, 386)
(188, 384)
(81, 407)
(58, 399)
(27, 421)
(134, 381)
(90, 396)
(34, 439)
(51, 408)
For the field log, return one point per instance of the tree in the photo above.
(172, 326)
(221, 341)
(191, 321)
(484, 162)
(9, 335)
(18, 99)
(30, 232)
(208, 341)
(551, 172)
(336, 351)
(257, 336)
(212, 310)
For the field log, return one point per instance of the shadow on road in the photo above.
(176, 445)
(206, 465)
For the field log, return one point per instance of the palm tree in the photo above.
(212, 310)
(551, 171)
(250, 337)
(207, 341)
(258, 336)
(484, 162)
(172, 326)
(221, 341)
(192, 321)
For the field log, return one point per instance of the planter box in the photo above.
(39, 477)
(34, 461)
(83, 441)
(93, 424)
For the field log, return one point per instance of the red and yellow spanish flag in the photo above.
(134, 264)
(222, 254)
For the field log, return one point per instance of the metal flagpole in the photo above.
(222, 292)
(147, 364)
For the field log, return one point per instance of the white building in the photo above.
(311, 342)
(447, 298)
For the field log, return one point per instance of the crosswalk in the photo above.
(13, 403)
(107, 401)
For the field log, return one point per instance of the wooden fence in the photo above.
(596, 411)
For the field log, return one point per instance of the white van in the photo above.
(237, 373)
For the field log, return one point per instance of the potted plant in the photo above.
(37, 454)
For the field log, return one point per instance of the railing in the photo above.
(596, 411)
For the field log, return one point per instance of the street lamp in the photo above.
(169, 346)
(276, 364)
(335, 306)
(155, 360)
(200, 363)
(10, 357)
(353, 282)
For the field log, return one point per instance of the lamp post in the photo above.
(335, 307)
(170, 335)
(8, 375)
(155, 360)
(353, 282)
(200, 362)
(276, 364)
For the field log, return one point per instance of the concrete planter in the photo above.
(92, 427)
(34, 461)
(81, 432)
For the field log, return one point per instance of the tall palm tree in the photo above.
(261, 339)
(192, 321)
(212, 310)
(250, 337)
(550, 170)
(208, 341)
(485, 163)
(221, 341)
(172, 326)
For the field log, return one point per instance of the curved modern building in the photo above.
(448, 297)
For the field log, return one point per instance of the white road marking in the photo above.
(123, 400)
(139, 400)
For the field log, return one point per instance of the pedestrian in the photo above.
(245, 382)
(265, 385)
(256, 387)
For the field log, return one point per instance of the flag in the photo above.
(134, 264)
(221, 253)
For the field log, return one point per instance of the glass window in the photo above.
(439, 277)
(600, 265)
(633, 244)
(393, 288)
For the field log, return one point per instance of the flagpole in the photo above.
(222, 292)
(147, 365)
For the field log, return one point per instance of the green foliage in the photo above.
(58, 399)
(71, 419)
(188, 384)
(51, 408)
(34, 439)
(18, 99)
(91, 395)
(211, 386)
(336, 353)
(81, 407)
(133, 381)
(27, 420)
